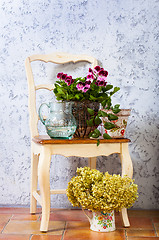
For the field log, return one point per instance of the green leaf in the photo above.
(109, 103)
(90, 111)
(116, 108)
(109, 125)
(97, 120)
(98, 142)
(77, 96)
(104, 102)
(90, 135)
(116, 89)
(90, 122)
(92, 98)
(60, 91)
(97, 132)
(104, 114)
(94, 135)
(108, 87)
(59, 98)
(106, 136)
(112, 117)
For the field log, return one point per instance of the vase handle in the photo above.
(40, 112)
(90, 219)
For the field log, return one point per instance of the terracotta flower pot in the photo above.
(121, 123)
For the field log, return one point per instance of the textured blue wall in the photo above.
(123, 36)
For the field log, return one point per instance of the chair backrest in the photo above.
(57, 58)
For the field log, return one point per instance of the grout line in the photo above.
(6, 224)
(63, 232)
(126, 236)
(154, 227)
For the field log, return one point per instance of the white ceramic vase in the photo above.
(102, 222)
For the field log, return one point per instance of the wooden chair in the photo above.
(42, 147)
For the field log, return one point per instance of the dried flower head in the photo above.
(96, 191)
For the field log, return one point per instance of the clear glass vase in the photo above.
(60, 122)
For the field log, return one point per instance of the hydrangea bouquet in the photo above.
(98, 192)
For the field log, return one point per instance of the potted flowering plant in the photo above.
(101, 194)
(87, 93)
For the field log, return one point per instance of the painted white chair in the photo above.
(42, 147)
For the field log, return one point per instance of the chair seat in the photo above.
(45, 139)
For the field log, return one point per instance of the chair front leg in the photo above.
(44, 184)
(34, 181)
(127, 169)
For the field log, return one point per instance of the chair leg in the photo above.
(92, 162)
(44, 184)
(34, 181)
(127, 169)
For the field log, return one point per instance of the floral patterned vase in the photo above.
(102, 222)
(121, 123)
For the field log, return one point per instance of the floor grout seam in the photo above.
(154, 227)
(64, 231)
(126, 237)
(6, 224)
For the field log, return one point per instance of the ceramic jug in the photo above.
(101, 222)
(60, 122)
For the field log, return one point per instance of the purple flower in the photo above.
(80, 86)
(97, 68)
(69, 80)
(90, 70)
(90, 76)
(63, 77)
(88, 82)
(101, 83)
(103, 78)
(97, 82)
(102, 72)
(59, 75)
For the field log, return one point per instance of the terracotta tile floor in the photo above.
(18, 224)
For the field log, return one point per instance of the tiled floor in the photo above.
(18, 224)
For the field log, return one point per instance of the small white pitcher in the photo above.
(102, 222)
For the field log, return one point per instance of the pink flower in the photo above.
(90, 77)
(88, 82)
(90, 70)
(63, 77)
(101, 83)
(103, 78)
(102, 72)
(86, 88)
(97, 68)
(69, 80)
(59, 75)
(80, 86)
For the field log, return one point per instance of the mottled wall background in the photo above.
(123, 36)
